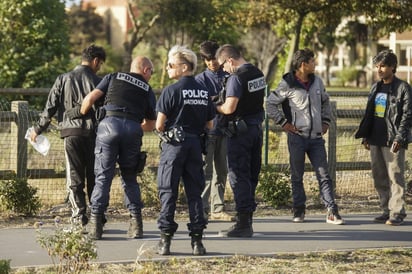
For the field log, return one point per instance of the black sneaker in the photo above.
(298, 215)
(395, 221)
(381, 219)
(333, 217)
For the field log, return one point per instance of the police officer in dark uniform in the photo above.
(184, 111)
(130, 109)
(245, 92)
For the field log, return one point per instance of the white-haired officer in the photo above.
(184, 111)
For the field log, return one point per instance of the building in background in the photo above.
(401, 45)
(116, 18)
(361, 61)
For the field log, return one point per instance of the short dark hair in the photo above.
(301, 56)
(387, 58)
(208, 50)
(228, 51)
(92, 52)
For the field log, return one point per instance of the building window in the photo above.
(402, 58)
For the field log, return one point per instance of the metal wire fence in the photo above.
(351, 161)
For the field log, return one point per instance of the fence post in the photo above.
(266, 132)
(332, 144)
(18, 157)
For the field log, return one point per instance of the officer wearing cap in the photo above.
(130, 109)
(243, 106)
(184, 111)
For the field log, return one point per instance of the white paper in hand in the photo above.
(42, 144)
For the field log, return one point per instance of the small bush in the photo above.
(347, 75)
(18, 196)
(274, 186)
(148, 187)
(72, 249)
(5, 266)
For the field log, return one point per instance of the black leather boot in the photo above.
(96, 226)
(163, 248)
(197, 246)
(242, 228)
(135, 226)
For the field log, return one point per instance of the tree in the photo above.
(138, 32)
(187, 23)
(34, 42)
(385, 16)
(262, 40)
(297, 11)
(86, 27)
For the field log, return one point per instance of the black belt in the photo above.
(191, 135)
(121, 114)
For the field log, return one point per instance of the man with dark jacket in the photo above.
(385, 130)
(65, 98)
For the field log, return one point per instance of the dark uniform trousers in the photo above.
(118, 140)
(181, 160)
(244, 152)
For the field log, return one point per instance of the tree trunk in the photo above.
(294, 45)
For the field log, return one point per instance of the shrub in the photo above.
(72, 249)
(5, 266)
(18, 196)
(347, 75)
(274, 186)
(148, 187)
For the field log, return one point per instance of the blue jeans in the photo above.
(299, 147)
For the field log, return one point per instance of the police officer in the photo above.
(130, 110)
(245, 92)
(184, 110)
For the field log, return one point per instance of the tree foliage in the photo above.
(385, 16)
(34, 42)
(86, 27)
(187, 23)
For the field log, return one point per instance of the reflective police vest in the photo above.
(253, 94)
(129, 91)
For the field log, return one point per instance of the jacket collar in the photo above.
(293, 82)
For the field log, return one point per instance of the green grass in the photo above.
(388, 260)
(332, 89)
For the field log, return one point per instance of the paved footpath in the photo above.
(272, 235)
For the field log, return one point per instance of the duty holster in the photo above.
(204, 141)
(235, 128)
(141, 161)
(176, 134)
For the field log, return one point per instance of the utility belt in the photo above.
(123, 114)
(177, 134)
(235, 128)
